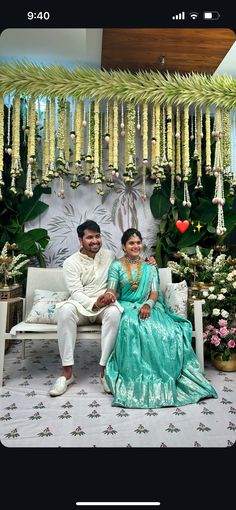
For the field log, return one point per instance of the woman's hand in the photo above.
(145, 312)
(151, 261)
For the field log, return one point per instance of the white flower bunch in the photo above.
(10, 265)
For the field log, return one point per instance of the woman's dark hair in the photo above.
(129, 233)
(89, 225)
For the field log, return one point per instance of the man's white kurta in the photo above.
(86, 279)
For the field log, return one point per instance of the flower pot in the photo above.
(225, 366)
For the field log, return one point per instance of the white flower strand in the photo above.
(218, 172)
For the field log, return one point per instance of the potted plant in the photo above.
(219, 310)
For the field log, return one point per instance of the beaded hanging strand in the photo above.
(60, 162)
(31, 147)
(185, 151)
(115, 138)
(145, 147)
(111, 134)
(199, 146)
(76, 164)
(15, 162)
(9, 149)
(218, 173)
(45, 159)
(88, 157)
(96, 179)
(226, 128)
(130, 167)
(67, 136)
(1, 142)
(51, 172)
(208, 140)
(153, 140)
(170, 153)
(178, 146)
(79, 139)
(157, 146)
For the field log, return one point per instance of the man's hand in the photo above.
(151, 260)
(145, 312)
(105, 300)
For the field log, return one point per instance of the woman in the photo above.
(153, 363)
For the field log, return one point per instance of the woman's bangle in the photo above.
(150, 303)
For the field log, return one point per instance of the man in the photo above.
(86, 273)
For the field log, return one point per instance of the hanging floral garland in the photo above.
(52, 80)
(148, 103)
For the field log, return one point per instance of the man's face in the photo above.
(91, 242)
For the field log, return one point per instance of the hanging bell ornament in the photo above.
(107, 137)
(84, 123)
(122, 132)
(138, 127)
(27, 128)
(72, 135)
(9, 150)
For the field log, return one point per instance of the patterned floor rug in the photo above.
(84, 417)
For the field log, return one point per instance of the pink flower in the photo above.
(232, 330)
(215, 340)
(224, 331)
(210, 327)
(222, 322)
(231, 344)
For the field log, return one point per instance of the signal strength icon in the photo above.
(193, 15)
(179, 16)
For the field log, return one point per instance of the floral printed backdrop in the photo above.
(119, 209)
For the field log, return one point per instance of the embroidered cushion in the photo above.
(176, 297)
(44, 306)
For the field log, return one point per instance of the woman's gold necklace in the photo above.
(134, 283)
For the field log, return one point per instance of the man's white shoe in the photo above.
(105, 386)
(60, 386)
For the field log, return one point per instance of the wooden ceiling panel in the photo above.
(185, 49)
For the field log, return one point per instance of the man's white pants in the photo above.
(68, 318)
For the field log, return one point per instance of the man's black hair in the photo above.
(89, 225)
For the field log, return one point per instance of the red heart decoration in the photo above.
(182, 225)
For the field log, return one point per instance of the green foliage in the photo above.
(169, 239)
(15, 211)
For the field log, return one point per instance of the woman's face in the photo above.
(133, 247)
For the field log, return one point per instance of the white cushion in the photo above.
(44, 306)
(176, 297)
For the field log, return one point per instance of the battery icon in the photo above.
(211, 15)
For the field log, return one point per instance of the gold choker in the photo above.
(132, 261)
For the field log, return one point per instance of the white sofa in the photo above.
(52, 279)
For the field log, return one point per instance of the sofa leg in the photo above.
(23, 349)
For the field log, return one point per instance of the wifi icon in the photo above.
(193, 15)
